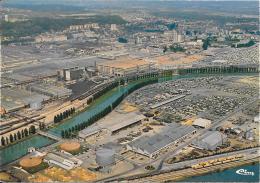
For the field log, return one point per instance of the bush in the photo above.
(38, 168)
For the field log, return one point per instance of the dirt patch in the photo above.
(30, 162)
(70, 146)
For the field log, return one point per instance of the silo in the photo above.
(105, 157)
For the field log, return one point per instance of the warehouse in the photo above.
(50, 90)
(73, 73)
(202, 123)
(63, 161)
(124, 66)
(90, 131)
(210, 141)
(152, 145)
(127, 121)
(13, 99)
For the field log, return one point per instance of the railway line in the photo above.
(177, 175)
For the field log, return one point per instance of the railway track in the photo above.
(176, 175)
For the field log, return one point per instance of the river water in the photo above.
(18, 150)
(229, 175)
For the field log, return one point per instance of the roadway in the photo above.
(184, 169)
(181, 174)
(253, 152)
(160, 162)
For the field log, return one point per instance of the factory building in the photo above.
(250, 135)
(64, 161)
(202, 123)
(124, 66)
(50, 38)
(210, 141)
(13, 99)
(76, 73)
(84, 27)
(173, 36)
(88, 132)
(152, 145)
(121, 122)
(128, 122)
(113, 27)
(105, 158)
(50, 90)
(69, 74)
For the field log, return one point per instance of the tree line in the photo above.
(214, 70)
(71, 132)
(241, 45)
(106, 89)
(40, 25)
(64, 115)
(18, 136)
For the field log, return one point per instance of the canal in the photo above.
(13, 152)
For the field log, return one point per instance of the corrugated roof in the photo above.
(156, 142)
(213, 138)
(129, 118)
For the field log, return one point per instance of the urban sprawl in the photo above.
(127, 95)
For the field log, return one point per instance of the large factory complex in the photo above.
(103, 137)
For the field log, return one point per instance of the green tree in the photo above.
(73, 129)
(3, 141)
(6, 140)
(61, 117)
(11, 138)
(19, 135)
(66, 134)
(15, 137)
(206, 44)
(32, 129)
(165, 49)
(23, 133)
(26, 133)
(55, 120)
(63, 134)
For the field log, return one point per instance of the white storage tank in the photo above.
(105, 157)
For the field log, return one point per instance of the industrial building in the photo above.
(50, 90)
(173, 36)
(63, 161)
(76, 73)
(83, 134)
(15, 99)
(105, 158)
(202, 123)
(124, 66)
(125, 121)
(50, 38)
(113, 125)
(152, 145)
(250, 135)
(210, 141)
(69, 74)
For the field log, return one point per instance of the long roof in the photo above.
(89, 131)
(126, 120)
(125, 63)
(213, 138)
(170, 133)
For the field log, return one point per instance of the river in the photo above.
(13, 152)
(229, 175)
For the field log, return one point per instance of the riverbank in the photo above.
(183, 175)
(229, 175)
(95, 107)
